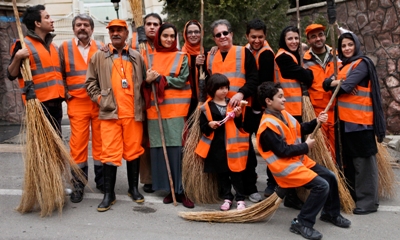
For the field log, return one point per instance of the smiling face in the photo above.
(167, 37)
(278, 101)
(193, 34)
(223, 37)
(292, 40)
(316, 39)
(256, 39)
(348, 47)
(82, 29)
(118, 36)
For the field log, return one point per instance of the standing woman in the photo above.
(360, 113)
(169, 72)
(192, 37)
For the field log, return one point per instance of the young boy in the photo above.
(279, 143)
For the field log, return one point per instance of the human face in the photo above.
(348, 47)
(316, 39)
(292, 41)
(167, 37)
(118, 36)
(223, 42)
(256, 39)
(193, 34)
(278, 101)
(221, 93)
(82, 30)
(46, 23)
(151, 27)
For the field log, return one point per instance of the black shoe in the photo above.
(110, 175)
(359, 211)
(132, 168)
(148, 188)
(339, 221)
(306, 232)
(77, 195)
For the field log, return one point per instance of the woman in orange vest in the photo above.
(361, 122)
(280, 145)
(224, 146)
(169, 73)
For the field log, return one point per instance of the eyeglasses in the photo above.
(195, 32)
(218, 35)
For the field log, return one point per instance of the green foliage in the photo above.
(238, 13)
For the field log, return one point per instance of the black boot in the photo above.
(77, 194)
(132, 168)
(99, 179)
(110, 175)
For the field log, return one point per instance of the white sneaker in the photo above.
(255, 197)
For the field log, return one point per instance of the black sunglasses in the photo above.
(218, 35)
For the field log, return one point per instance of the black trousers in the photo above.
(226, 181)
(324, 195)
(249, 174)
(53, 111)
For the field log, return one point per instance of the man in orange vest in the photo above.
(280, 145)
(113, 81)
(44, 62)
(319, 59)
(239, 65)
(82, 112)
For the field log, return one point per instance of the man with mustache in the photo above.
(82, 112)
(44, 62)
(113, 81)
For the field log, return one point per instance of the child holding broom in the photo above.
(279, 143)
(224, 144)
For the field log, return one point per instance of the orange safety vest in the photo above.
(135, 41)
(237, 142)
(319, 98)
(288, 172)
(46, 71)
(176, 101)
(135, 45)
(291, 88)
(76, 67)
(257, 54)
(233, 67)
(355, 108)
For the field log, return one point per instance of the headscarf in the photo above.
(379, 120)
(282, 43)
(188, 47)
(157, 41)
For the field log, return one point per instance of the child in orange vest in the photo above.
(224, 144)
(279, 143)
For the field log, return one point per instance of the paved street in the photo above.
(155, 220)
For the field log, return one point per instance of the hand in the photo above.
(235, 100)
(213, 50)
(354, 91)
(104, 48)
(237, 111)
(213, 124)
(200, 59)
(151, 75)
(334, 83)
(322, 117)
(22, 53)
(310, 142)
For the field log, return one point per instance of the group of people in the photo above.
(135, 101)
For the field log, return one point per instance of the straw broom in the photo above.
(386, 177)
(47, 162)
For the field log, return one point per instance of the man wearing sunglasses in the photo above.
(238, 64)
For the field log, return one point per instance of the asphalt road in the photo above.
(155, 220)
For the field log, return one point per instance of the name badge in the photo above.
(124, 83)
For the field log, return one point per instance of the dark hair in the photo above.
(84, 17)
(267, 90)
(256, 24)
(282, 43)
(165, 26)
(192, 23)
(31, 15)
(155, 15)
(216, 81)
(216, 23)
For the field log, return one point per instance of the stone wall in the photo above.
(11, 107)
(376, 23)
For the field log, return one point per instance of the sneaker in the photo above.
(339, 221)
(255, 197)
(269, 190)
(241, 205)
(226, 205)
(306, 232)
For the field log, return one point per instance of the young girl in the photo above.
(224, 145)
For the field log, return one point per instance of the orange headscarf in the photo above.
(187, 47)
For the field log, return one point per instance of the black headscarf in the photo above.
(282, 43)
(379, 120)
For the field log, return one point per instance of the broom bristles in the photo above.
(200, 187)
(255, 213)
(386, 176)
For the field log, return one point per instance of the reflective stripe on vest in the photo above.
(39, 66)
(355, 108)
